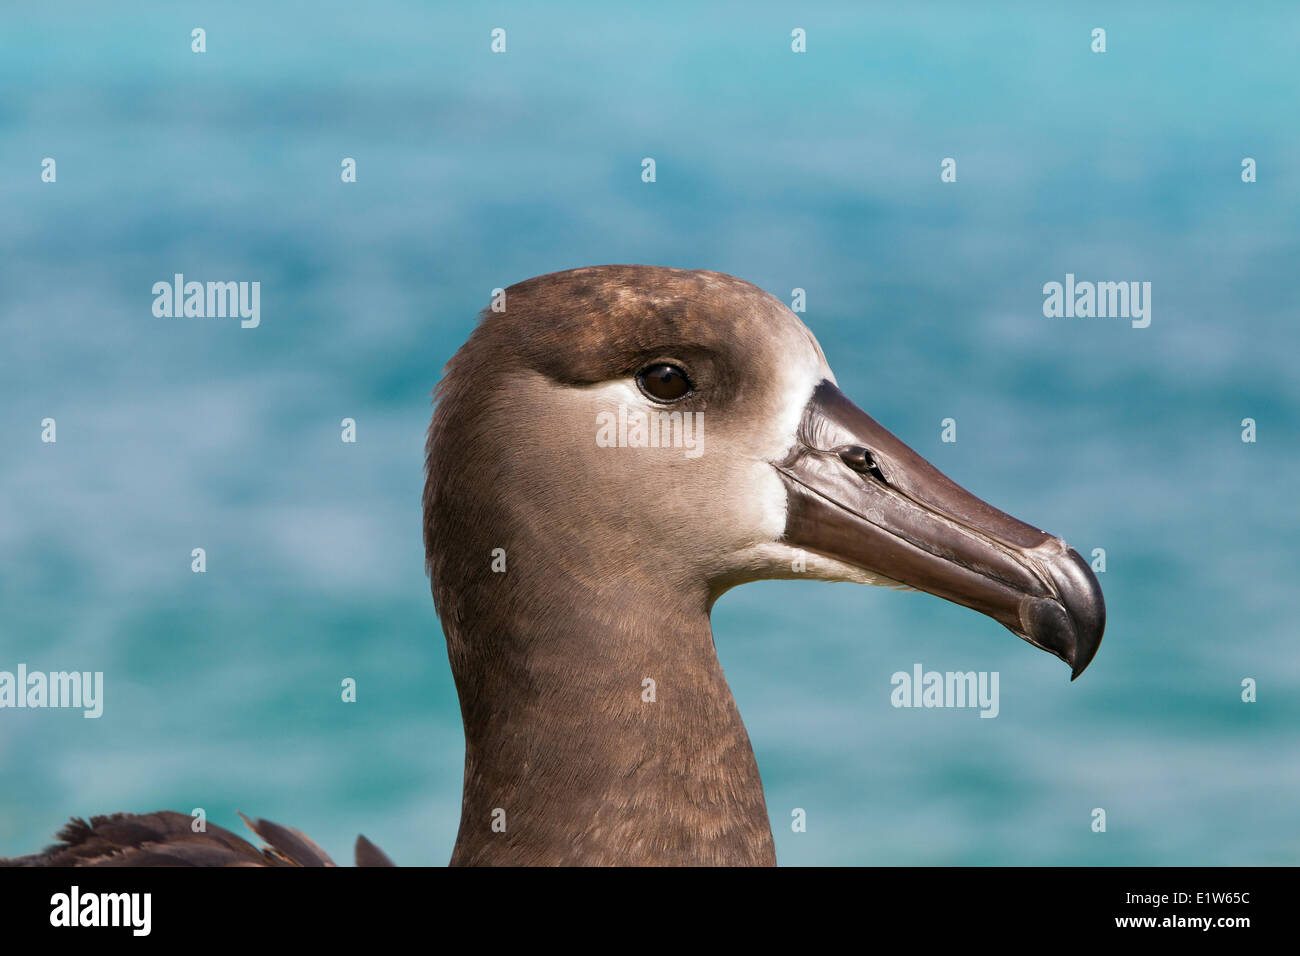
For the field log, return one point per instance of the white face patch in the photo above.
(802, 371)
(795, 562)
(620, 391)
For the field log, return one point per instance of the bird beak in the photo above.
(859, 495)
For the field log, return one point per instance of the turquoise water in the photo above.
(818, 171)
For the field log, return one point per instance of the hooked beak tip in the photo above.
(1069, 624)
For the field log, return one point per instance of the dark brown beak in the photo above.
(861, 496)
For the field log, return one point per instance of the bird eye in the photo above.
(662, 382)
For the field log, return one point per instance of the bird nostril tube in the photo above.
(862, 461)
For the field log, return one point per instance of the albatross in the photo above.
(574, 574)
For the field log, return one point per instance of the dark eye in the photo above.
(662, 382)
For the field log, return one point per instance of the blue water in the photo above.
(818, 171)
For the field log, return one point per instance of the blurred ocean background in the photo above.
(818, 171)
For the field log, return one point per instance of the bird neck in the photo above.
(599, 728)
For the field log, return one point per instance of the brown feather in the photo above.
(367, 854)
(294, 845)
(167, 838)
